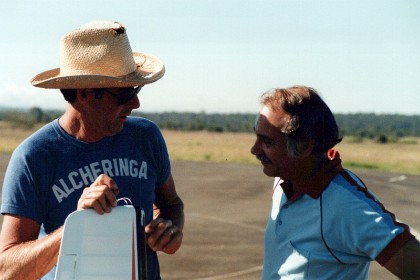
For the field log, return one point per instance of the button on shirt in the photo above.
(331, 230)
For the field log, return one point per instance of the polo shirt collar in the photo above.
(319, 181)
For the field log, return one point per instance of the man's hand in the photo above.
(163, 236)
(101, 195)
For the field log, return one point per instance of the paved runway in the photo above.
(227, 206)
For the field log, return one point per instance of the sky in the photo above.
(221, 55)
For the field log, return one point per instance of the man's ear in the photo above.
(306, 148)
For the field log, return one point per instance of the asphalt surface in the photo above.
(227, 206)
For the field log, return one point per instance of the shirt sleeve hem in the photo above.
(11, 210)
(393, 247)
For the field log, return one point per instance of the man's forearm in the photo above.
(173, 212)
(405, 263)
(176, 215)
(30, 260)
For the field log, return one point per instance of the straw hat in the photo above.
(98, 55)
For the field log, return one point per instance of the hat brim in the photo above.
(149, 70)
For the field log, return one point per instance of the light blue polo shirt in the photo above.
(334, 212)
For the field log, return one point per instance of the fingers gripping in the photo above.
(163, 236)
(101, 195)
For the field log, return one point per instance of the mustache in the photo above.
(263, 158)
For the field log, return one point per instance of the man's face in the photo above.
(106, 116)
(271, 145)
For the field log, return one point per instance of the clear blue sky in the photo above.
(220, 55)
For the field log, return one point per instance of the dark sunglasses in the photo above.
(124, 94)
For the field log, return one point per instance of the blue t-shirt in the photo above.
(48, 172)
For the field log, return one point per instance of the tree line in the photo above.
(383, 127)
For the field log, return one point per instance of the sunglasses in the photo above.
(124, 94)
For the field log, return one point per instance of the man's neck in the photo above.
(72, 122)
(307, 169)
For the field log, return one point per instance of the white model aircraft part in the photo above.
(99, 246)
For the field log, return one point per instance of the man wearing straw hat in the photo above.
(89, 157)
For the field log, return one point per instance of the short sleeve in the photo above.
(20, 195)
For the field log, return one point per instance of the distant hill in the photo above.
(361, 125)
(358, 125)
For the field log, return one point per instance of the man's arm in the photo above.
(22, 255)
(165, 231)
(406, 262)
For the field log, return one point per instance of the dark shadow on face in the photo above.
(270, 146)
